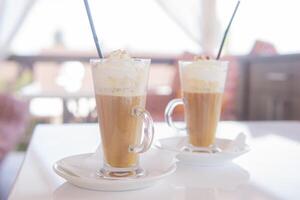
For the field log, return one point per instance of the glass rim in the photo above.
(101, 60)
(187, 62)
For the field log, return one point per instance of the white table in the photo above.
(273, 166)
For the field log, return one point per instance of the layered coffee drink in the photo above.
(119, 128)
(202, 84)
(202, 113)
(120, 84)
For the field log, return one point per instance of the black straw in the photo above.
(88, 11)
(227, 29)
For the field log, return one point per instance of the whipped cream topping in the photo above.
(201, 57)
(120, 75)
(119, 54)
(203, 76)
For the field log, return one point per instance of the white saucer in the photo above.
(230, 150)
(81, 170)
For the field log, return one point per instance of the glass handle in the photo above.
(148, 131)
(169, 111)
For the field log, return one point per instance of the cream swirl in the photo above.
(120, 75)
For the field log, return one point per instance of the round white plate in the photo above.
(87, 178)
(176, 144)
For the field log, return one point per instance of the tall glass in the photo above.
(120, 89)
(202, 85)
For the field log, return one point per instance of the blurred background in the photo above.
(45, 47)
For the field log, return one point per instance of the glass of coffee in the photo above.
(202, 85)
(120, 85)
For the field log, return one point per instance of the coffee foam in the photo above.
(200, 76)
(120, 75)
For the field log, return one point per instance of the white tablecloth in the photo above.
(272, 164)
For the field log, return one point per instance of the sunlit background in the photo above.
(45, 47)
